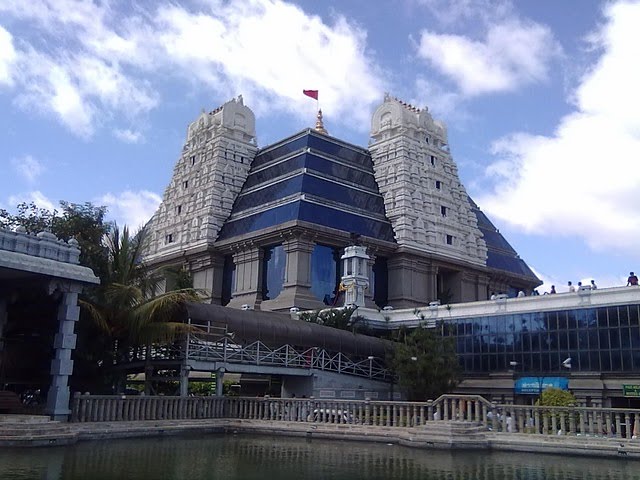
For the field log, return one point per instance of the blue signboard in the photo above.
(536, 385)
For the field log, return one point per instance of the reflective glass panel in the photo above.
(274, 262)
(325, 273)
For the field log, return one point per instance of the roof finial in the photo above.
(319, 125)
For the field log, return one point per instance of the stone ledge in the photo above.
(445, 436)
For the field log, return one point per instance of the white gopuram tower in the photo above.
(427, 205)
(354, 280)
(207, 177)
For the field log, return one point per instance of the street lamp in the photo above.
(370, 357)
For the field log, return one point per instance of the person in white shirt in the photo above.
(572, 289)
(593, 285)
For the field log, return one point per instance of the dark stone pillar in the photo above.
(62, 365)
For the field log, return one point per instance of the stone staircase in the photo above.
(34, 431)
(456, 435)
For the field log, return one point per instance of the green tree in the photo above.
(341, 318)
(84, 222)
(126, 307)
(426, 363)
(555, 397)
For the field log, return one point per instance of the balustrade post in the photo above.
(618, 426)
(627, 425)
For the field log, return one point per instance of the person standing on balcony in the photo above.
(632, 280)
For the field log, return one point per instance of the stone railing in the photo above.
(584, 421)
(44, 245)
(114, 408)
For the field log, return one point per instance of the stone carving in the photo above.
(207, 177)
(410, 154)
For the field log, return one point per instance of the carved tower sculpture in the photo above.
(424, 199)
(207, 177)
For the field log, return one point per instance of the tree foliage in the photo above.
(126, 307)
(84, 222)
(124, 310)
(555, 397)
(426, 363)
(341, 318)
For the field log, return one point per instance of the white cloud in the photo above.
(128, 136)
(451, 12)
(271, 50)
(584, 179)
(100, 65)
(513, 53)
(28, 167)
(130, 208)
(35, 196)
(7, 57)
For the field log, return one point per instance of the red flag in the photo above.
(311, 93)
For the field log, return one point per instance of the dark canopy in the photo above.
(275, 329)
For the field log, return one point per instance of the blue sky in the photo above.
(540, 97)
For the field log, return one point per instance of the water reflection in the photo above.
(243, 457)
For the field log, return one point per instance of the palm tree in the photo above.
(127, 307)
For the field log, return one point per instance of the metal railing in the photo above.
(473, 409)
(221, 348)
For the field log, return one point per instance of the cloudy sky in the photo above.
(541, 98)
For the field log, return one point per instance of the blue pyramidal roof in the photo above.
(311, 178)
(317, 179)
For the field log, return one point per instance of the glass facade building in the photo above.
(604, 339)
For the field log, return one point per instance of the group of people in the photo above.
(573, 288)
(631, 281)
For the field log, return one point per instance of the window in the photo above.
(433, 160)
(379, 282)
(168, 238)
(449, 239)
(179, 209)
(193, 159)
(325, 273)
(273, 265)
(443, 211)
(185, 184)
(438, 184)
(228, 279)
(426, 139)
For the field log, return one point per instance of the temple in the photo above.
(265, 228)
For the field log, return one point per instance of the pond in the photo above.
(235, 457)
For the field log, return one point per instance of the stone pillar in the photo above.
(3, 322)
(62, 365)
(248, 287)
(431, 285)
(296, 289)
(184, 381)
(207, 275)
(220, 382)
(149, 371)
(408, 281)
(369, 292)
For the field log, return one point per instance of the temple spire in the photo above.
(319, 124)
